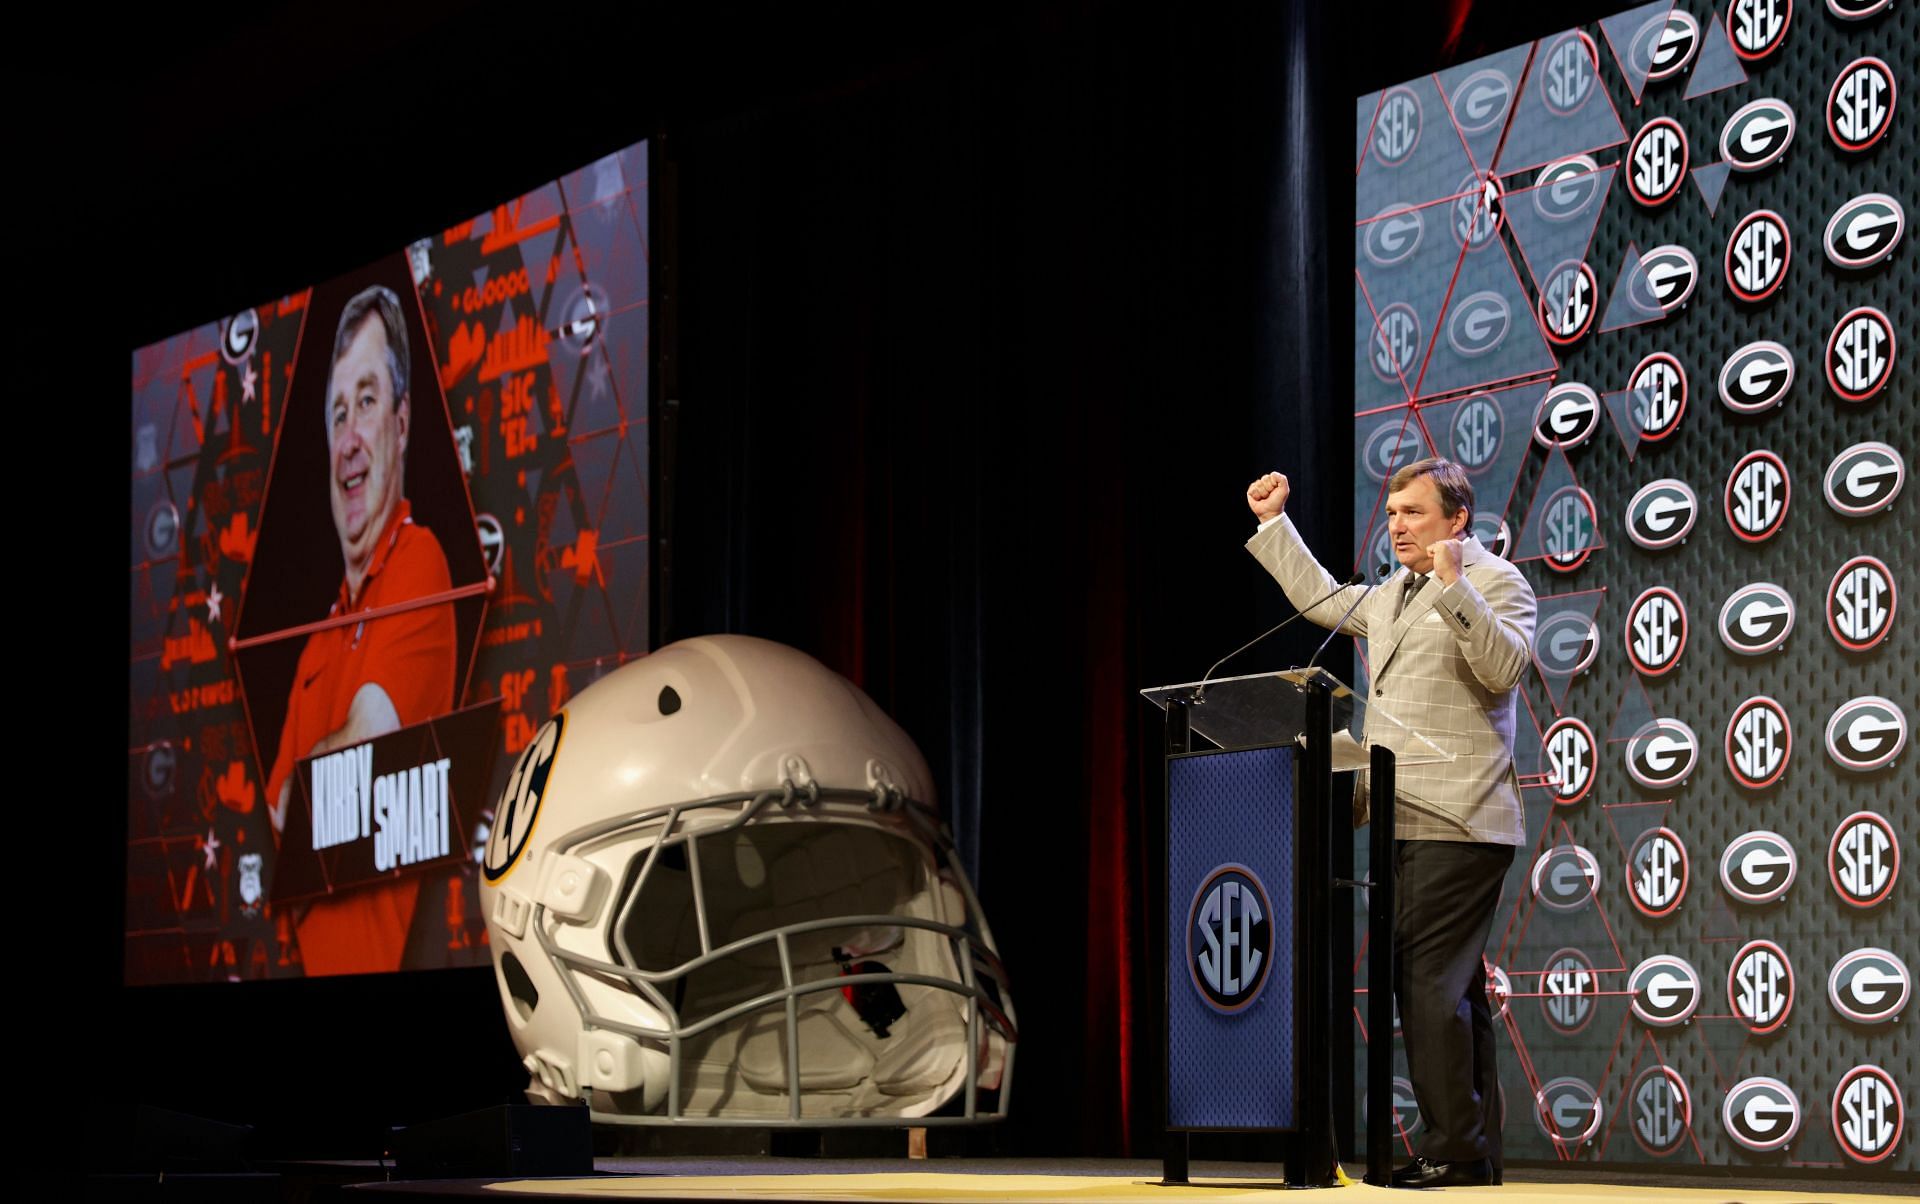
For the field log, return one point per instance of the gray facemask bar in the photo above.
(980, 957)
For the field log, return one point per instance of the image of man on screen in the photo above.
(1449, 637)
(358, 680)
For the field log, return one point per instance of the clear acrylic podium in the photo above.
(1320, 725)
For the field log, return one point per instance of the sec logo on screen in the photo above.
(1759, 742)
(1396, 127)
(1396, 340)
(1571, 761)
(1568, 303)
(1658, 390)
(1860, 104)
(1869, 1114)
(1477, 432)
(1860, 354)
(1656, 631)
(1230, 938)
(1570, 524)
(1662, 1110)
(1861, 602)
(1657, 873)
(1758, 492)
(1760, 987)
(1863, 860)
(1758, 27)
(1758, 253)
(1657, 162)
(1569, 74)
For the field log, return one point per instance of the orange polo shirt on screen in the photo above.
(411, 657)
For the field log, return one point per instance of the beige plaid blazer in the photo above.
(1448, 667)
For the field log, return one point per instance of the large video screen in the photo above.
(382, 528)
(1647, 281)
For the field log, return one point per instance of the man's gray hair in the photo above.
(374, 300)
(1449, 481)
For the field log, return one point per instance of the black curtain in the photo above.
(976, 362)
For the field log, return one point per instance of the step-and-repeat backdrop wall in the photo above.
(1649, 281)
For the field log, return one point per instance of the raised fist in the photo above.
(1267, 496)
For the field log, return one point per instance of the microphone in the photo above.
(1380, 571)
(1358, 577)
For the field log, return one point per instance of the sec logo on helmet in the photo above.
(1869, 1114)
(1863, 860)
(1757, 135)
(1758, 253)
(1662, 513)
(1758, 867)
(1869, 986)
(1761, 1114)
(1759, 742)
(1666, 991)
(1864, 479)
(1756, 619)
(1860, 104)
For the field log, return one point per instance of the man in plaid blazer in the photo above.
(1448, 639)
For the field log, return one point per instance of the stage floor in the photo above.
(1019, 1181)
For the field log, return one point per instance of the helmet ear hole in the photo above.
(520, 988)
(669, 700)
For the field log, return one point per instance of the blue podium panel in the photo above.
(1231, 940)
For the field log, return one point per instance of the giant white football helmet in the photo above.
(718, 893)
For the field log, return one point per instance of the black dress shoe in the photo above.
(1424, 1172)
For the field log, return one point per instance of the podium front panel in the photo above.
(1231, 940)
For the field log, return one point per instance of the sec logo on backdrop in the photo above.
(1759, 742)
(1863, 860)
(1869, 1114)
(1758, 253)
(1860, 104)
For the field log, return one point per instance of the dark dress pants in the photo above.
(1445, 897)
